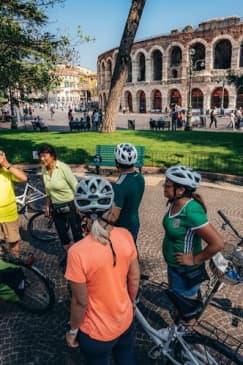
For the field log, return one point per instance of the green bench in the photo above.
(105, 157)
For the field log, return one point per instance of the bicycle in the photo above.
(201, 343)
(22, 282)
(31, 197)
(39, 225)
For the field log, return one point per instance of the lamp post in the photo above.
(222, 97)
(188, 126)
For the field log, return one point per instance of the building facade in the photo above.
(77, 85)
(163, 69)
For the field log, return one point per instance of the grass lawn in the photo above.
(214, 151)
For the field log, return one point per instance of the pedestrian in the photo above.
(213, 118)
(70, 115)
(186, 225)
(232, 120)
(103, 273)
(60, 185)
(9, 226)
(129, 189)
(52, 111)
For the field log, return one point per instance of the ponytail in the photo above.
(200, 200)
(99, 232)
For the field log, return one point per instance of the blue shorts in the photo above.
(177, 283)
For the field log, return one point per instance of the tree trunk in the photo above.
(121, 67)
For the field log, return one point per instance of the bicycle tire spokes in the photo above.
(38, 295)
(42, 228)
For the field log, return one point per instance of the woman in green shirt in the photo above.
(60, 185)
(186, 225)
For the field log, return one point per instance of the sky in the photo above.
(105, 20)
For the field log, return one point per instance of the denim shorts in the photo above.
(177, 283)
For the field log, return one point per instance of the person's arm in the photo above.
(114, 214)
(69, 176)
(214, 242)
(17, 172)
(118, 204)
(79, 303)
(133, 278)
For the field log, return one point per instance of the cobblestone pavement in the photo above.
(28, 339)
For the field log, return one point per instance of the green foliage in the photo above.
(27, 52)
(211, 151)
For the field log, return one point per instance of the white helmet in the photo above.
(183, 175)
(126, 154)
(93, 194)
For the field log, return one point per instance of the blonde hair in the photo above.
(100, 232)
(99, 229)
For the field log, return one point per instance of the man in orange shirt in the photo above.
(103, 272)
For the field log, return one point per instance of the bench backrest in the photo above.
(107, 154)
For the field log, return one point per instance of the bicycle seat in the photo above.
(186, 307)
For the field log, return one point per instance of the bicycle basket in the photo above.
(237, 259)
(224, 270)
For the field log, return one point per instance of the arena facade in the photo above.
(160, 69)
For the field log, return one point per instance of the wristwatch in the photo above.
(73, 331)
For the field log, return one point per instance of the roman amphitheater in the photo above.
(164, 68)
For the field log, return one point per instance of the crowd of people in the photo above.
(102, 265)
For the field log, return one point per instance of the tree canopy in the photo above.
(27, 52)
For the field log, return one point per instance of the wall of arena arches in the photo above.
(159, 69)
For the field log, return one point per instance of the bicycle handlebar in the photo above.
(31, 171)
(227, 222)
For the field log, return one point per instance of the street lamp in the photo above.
(222, 97)
(188, 126)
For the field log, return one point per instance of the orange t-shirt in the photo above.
(109, 312)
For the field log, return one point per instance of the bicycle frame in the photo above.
(175, 332)
(30, 195)
(163, 338)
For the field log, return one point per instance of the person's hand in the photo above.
(186, 259)
(71, 340)
(3, 160)
(47, 211)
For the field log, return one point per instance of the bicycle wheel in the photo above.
(206, 350)
(37, 205)
(38, 295)
(42, 228)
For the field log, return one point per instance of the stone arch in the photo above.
(222, 53)
(156, 65)
(102, 72)
(216, 97)
(197, 98)
(141, 66)
(239, 98)
(200, 55)
(174, 54)
(241, 55)
(141, 101)
(109, 69)
(156, 100)
(175, 97)
(128, 101)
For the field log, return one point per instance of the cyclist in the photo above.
(103, 272)
(9, 227)
(60, 185)
(186, 225)
(129, 189)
